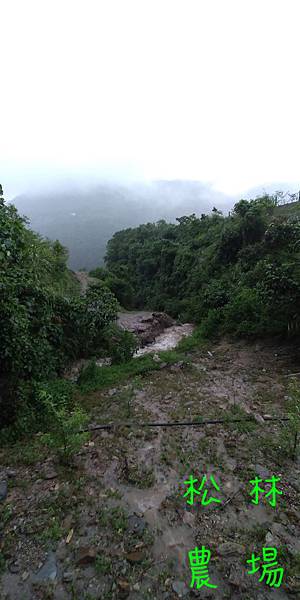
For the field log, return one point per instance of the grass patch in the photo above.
(114, 518)
(54, 532)
(103, 565)
(107, 376)
(237, 412)
(191, 342)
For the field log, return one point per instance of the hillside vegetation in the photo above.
(45, 323)
(92, 481)
(238, 274)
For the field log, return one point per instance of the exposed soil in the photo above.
(117, 525)
(85, 280)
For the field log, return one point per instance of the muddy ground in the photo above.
(116, 525)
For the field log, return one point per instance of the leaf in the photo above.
(69, 536)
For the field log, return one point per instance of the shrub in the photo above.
(121, 344)
(65, 436)
(210, 326)
(243, 314)
(88, 373)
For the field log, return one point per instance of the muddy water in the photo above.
(170, 541)
(168, 339)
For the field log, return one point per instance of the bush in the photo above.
(27, 413)
(121, 344)
(243, 315)
(88, 373)
(65, 436)
(210, 326)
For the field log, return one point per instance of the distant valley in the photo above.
(85, 219)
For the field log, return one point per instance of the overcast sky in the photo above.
(195, 89)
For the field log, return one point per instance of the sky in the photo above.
(149, 89)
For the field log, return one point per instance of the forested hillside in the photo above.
(45, 323)
(238, 274)
(94, 468)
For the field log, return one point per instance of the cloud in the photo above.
(161, 90)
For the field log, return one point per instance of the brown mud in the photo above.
(117, 525)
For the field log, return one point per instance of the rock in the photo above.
(293, 585)
(136, 524)
(49, 472)
(180, 588)
(258, 418)
(261, 471)
(136, 587)
(272, 540)
(178, 365)
(11, 473)
(237, 577)
(86, 556)
(229, 548)
(189, 518)
(124, 588)
(295, 484)
(68, 576)
(68, 522)
(164, 319)
(14, 566)
(48, 571)
(156, 358)
(3, 490)
(112, 392)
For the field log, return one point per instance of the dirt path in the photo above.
(131, 527)
(85, 280)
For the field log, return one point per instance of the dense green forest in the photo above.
(237, 274)
(45, 323)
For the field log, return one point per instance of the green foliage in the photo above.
(115, 518)
(103, 564)
(121, 344)
(88, 373)
(191, 342)
(118, 285)
(108, 376)
(238, 274)
(211, 324)
(64, 437)
(31, 416)
(45, 323)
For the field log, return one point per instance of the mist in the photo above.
(84, 212)
(84, 215)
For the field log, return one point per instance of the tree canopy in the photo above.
(238, 273)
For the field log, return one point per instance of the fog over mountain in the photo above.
(84, 219)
